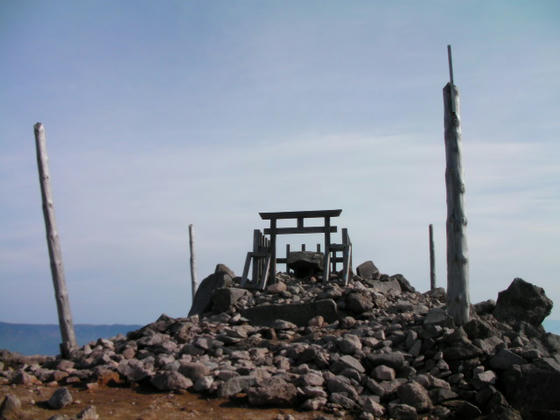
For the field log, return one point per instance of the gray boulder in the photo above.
(403, 282)
(171, 381)
(133, 370)
(88, 413)
(202, 301)
(224, 298)
(462, 410)
(522, 301)
(236, 385)
(275, 391)
(368, 271)
(60, 398)
(388, 287)
(415, 395)
(485, 307)
(505, 359)
(194, 371)
(305, 263)
(222, 268)
(394, 360)
(11, 407)
(358, 302)
(298, 313)
(403, 412)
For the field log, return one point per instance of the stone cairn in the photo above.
(374, 349)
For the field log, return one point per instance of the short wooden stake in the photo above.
(432, 259)
(53, 242)
(194, 283)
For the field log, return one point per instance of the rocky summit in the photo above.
(375, 348)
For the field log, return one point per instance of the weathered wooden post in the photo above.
(458, 299)
(53, 243)
(194, 283)
(432, 259)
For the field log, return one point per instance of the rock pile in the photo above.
(375, 348)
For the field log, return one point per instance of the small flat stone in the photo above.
(384, 373)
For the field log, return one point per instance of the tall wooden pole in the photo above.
(458, 299)
(432, 259)
(53, 243)
(194, 283)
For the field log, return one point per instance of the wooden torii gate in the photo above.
(264, 249)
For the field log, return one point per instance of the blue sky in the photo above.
(161, 114)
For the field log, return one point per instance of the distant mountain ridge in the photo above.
(30, 339)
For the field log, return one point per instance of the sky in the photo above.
(163, 114)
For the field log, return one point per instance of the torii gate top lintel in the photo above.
(297, 214)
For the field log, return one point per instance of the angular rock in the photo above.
(522, 301)
(314, 392)
(194, 371)
(486, 307)
(277, 287)
(383, 373)
(347, 362)
(222, 268)
(415, 395)
(312, 379)
(275, 391)
(133, 370)
(462, 351)
(389, 287)
(403, 412)
(203, 384)
(23, 378)
(368, 271)
(375, 387)
(349, 344)
(316, 321)
(505, 359)
(202, 301)
(462, 410)
(358, 302)
(343, 400)
(487, 377)
(436, 316)
(371, 405)
(442, 394)
(341, 384)
(88, 413)
(403, 282)
(171, 381)
(298, 313)
(11, 407)
(282, 325)
(530, 387)
(477, 328)
(314, 404)
(236, 385)
(394, 360)
(60, 398)
(224, 298)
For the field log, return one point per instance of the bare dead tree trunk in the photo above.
(432, 259)
(53, 243)
(194, 283)
(458, 299)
